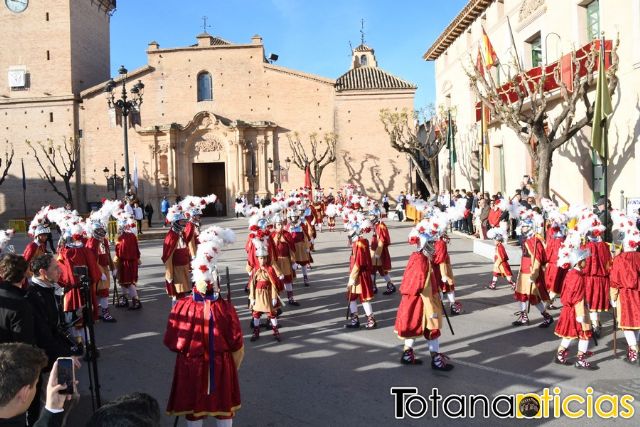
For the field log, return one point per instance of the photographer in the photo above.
(20, 368)
(46, 313)
(16, 317)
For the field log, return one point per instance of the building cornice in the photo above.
(100, 86)
(38, 100)
(300, 74)
(460, 23)
(197, 48)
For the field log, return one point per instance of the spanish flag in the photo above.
(488, 54)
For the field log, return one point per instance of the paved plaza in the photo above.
(322, 374)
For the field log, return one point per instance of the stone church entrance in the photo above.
(210, 178)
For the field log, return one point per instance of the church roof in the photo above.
(215, 40)
(364, 78)
(363, 48)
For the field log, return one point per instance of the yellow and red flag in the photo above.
(489, 56)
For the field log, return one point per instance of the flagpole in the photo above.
(482, 125)
(24, 190)
(450, 132)
(605, 162)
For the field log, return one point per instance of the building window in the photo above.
(593, 20)
(205, 87)
(535, 44)
(47, 16)
(48, 55)
(363, 60)
(51, 117)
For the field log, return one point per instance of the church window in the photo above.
(205, 87)
(363, 60)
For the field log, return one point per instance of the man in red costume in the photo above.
(128, 262)
(285, 257)
(420, 311)
(380, 242)
(310, 221)
(360, 286)
(596, 274)
(301, 243)
(625, 283)
(501, 267)
(553, 273)
(175, 256)
(443, 272)
(99, 245)
(264, 286)
(36, 247)
(191, 231)
(530, 286)
(204, 331)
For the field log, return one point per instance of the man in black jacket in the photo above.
(16, 315)
(47, 313)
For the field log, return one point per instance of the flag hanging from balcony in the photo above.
(479, 64)
(307, 181)
(602, 111)
(484, 138)
(451, 143)
(489, 56)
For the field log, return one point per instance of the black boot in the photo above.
(548, 320)
(522, 320)
(292, 301)
(391, 288)
(256, 334)
(409, 358)
(354, 322)
(439, 362)
(371, 322)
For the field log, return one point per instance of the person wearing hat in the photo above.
(625, 277)
(99, 245)
(175, 256)
(556, 232)
(331, 212)
(204, 331)
(310, 219)
(286, 256)
(530, 287)
(573, 323)
(596, 270)
(127, 261)
(263, 286)
(444, 272)
(501, 267)
(37, 247)
(302, 243)
(420, 310)
(360, 285)
(381, 260)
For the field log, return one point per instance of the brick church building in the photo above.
(213, 113)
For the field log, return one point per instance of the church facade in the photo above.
(216, 117)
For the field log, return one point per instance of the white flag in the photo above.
(135, 172)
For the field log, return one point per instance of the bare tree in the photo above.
(421, 135)
(8, 160)
(526, 107)
(58, 160)
(321, 153)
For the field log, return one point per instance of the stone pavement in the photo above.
(324, 375)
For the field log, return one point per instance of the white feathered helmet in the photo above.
(497, 233)
(572, 251)
(5, 236)
(204, 265)
(625, 231)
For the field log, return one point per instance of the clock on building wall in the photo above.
(16, 6)
(17, 78)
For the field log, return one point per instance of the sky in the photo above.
(309, 36)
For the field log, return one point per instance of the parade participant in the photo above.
(263, 286)
(331, 212)
(420, 311)
(360, 286)
(175, 256)
(310, 216)
(127, 261)
(554, 273)
(204, 330)
(74, 255)
(530, 287)
(573, 322)
(301, 242)
(501, 267)
(99, 245)
(625, 276)
(442, 262)
(597, 268)
(380, 257)
(286, 256)
(192, 207)
(259, 227)
(37, 247)
(319, 207)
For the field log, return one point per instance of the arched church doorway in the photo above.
(210, 178)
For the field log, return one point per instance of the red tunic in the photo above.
(411, 311)
(180, 258)
(34, 250)
(625, 278)
(252, 259)
(381, 237)
(128, 254)
(69, 258)
(94, 245)
(553, 275)
(573, 304)
(285, 251)
(494, 217)
(442, 263)
(361, 258)
(204, 333)
(501, 267)
(597, 276)
(532, 248)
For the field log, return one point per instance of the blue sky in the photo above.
(310, 36)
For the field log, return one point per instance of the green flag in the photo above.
(451, 143)
(602, 110)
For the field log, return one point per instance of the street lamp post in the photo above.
(277, 169)
(114, 178)
(125, 106)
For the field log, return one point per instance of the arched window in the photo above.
(363, 60)
(205, 87)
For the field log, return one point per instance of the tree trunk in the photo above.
(543, 172)
(424, 177)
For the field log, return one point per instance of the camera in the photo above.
(66, 374)
(80, 270)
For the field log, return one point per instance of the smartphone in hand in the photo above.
(66, 374)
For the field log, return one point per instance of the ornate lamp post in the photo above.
(115, 178)
(277, 170)
(125, 106)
